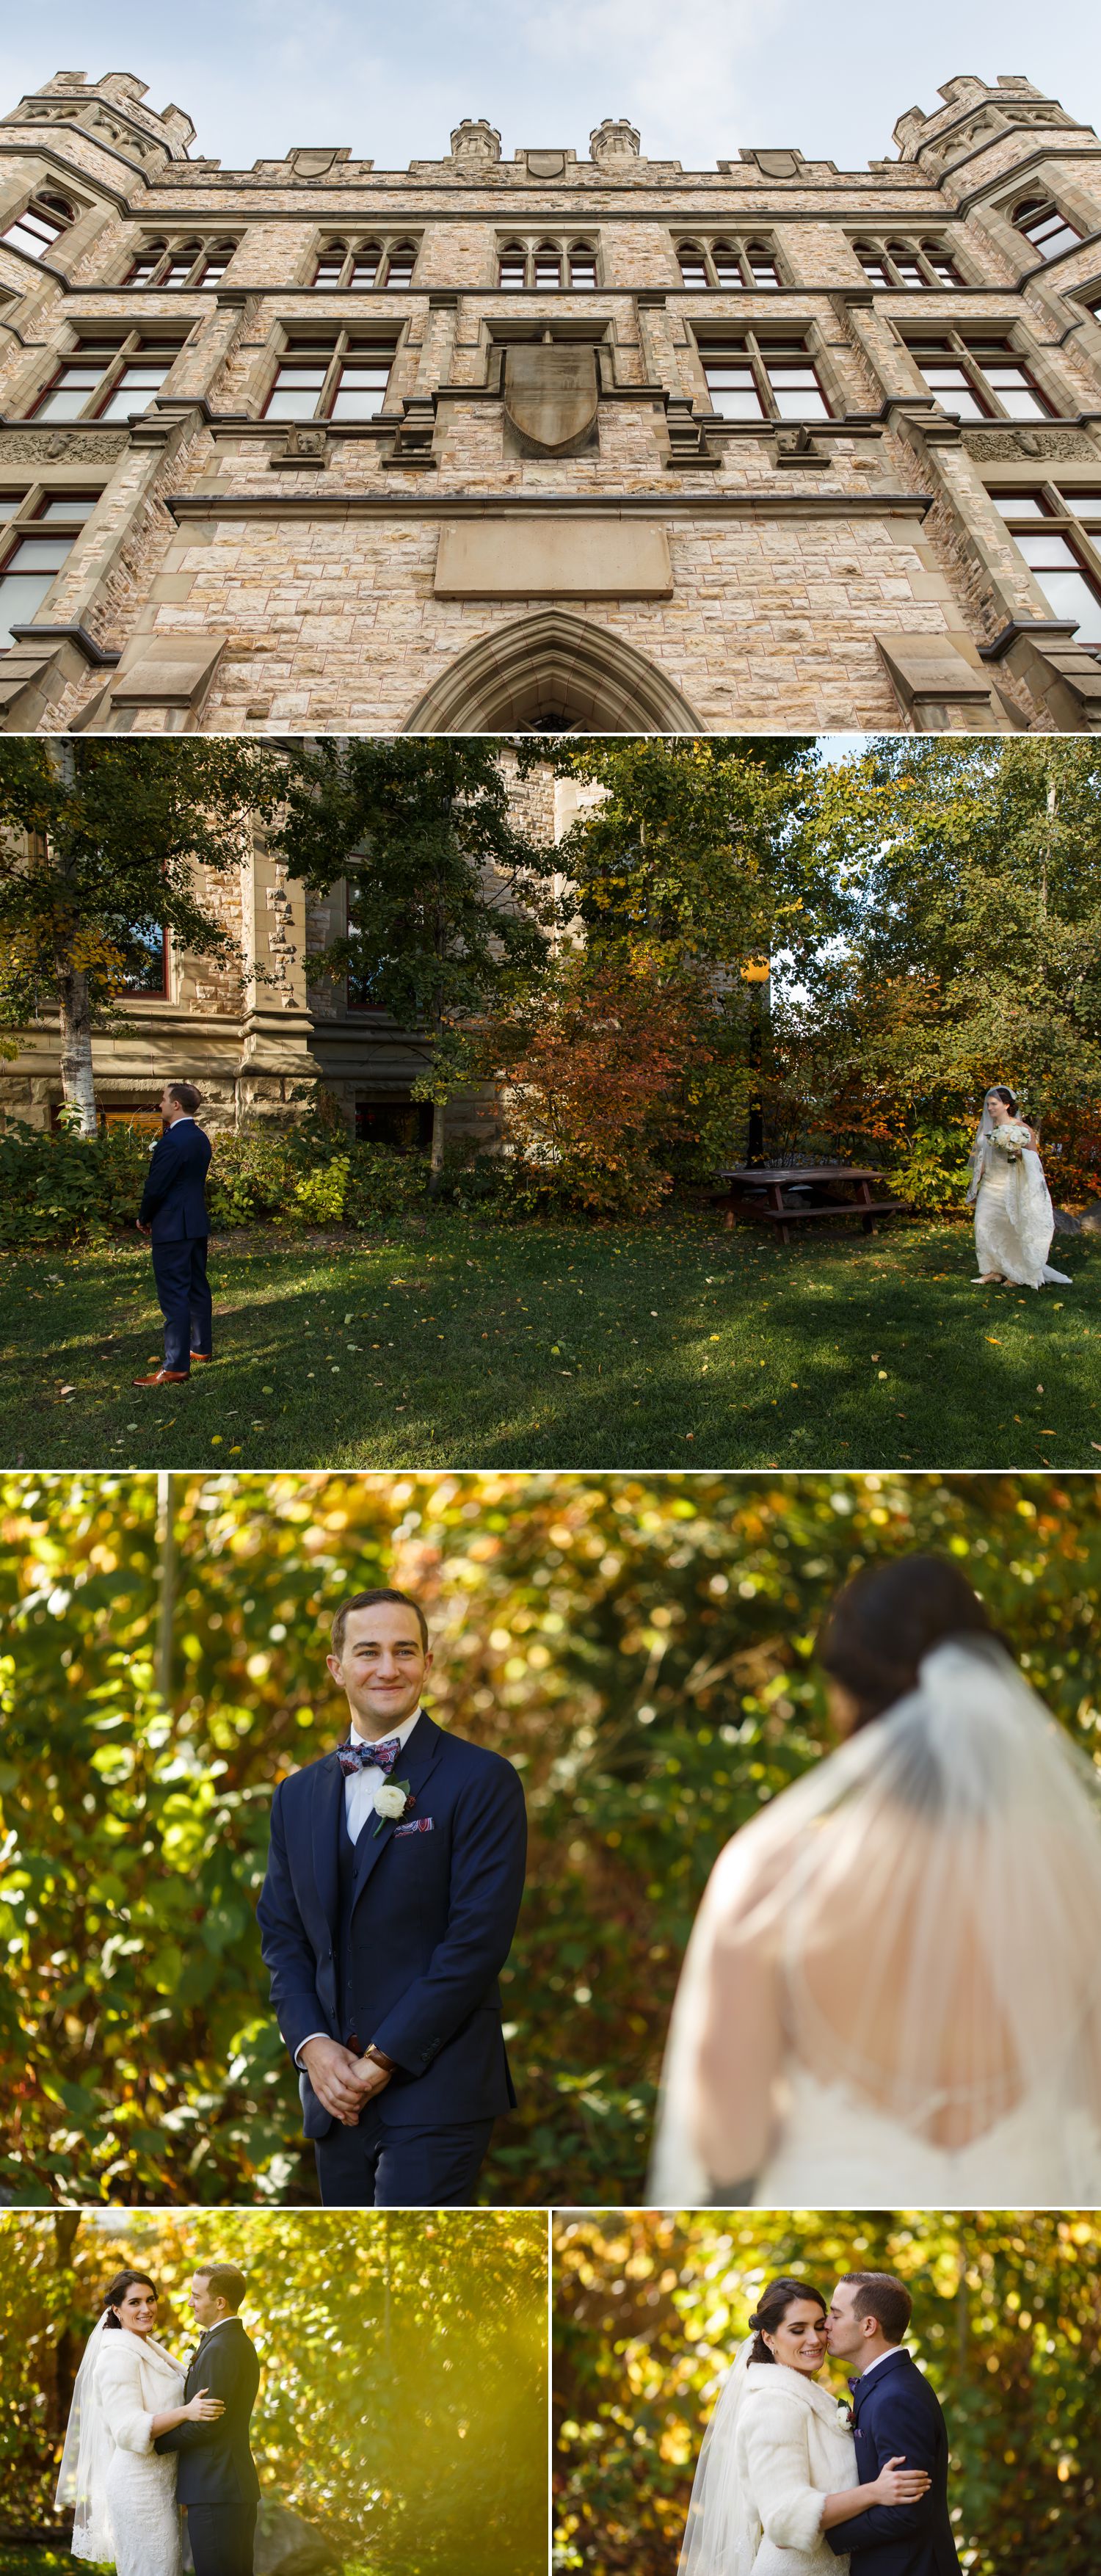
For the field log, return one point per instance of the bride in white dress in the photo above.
(128, 2390)
(1014, 1218)
(778, 2468)
(892, 1993)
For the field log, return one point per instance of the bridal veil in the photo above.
(926, 1903)
(85, 2460)
(722, 2533)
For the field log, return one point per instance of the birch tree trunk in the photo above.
(77, 1084)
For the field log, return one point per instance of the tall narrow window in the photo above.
(693, 267)
(36, 539)
(342, 379)
(756, 379)
(365, 266)
(512, 271)
(582, 266)
(1059, 535)
(400, 265)
(548, 267)
(40, 226)
(762, 266)
(726, 264)
(108, 381)
(1041, 222)
(330, 265)
(873, 264)
(147, 265)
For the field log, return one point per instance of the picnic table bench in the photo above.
(797, 1193)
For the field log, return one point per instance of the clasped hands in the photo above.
(342, 2081)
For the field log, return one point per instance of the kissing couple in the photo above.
(788, 2483)
(148, 2437)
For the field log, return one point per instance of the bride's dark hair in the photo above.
(887, 1618)
(772, 2308)
(1001, 1091)
(115, 2294)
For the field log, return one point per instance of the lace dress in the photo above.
(1014, 1219)
(136, 2379)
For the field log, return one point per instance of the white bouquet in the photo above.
(1011, 1138)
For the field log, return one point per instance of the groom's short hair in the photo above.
(880, 2295)
(224, 2281)
(370, 1601)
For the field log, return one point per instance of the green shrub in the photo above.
(55, 1186)
(381, 1182)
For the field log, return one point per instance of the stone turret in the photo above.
(474, 142)
(614, 139)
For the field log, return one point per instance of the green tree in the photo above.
(102, 846)
(650, 2307)
(641, 1646)
(403, 2394)
(450, 900)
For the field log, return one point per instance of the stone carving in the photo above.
(779, 165)
(303, 444)
(54, 447)
(994, 445)
(475, 140)
(314, 164)
(799, 447)
(614, 139)
(551, 394)
(545, 165)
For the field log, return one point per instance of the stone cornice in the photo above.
(190, 508)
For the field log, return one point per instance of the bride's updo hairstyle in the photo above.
(115, 2294)
(1001, 1091)
(772, 2308)
(887, 1618)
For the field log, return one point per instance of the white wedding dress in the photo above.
(774, 2449)
(122, 2490)
(892, 1994)
(1014, 1217)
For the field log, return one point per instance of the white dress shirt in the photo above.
(877, 2358)
(361, 1787)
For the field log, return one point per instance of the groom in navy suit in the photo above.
(393, 1885)
(173, 1214)
(896, 2417)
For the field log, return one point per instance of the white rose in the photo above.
(389, 1801)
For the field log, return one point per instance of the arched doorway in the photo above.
(554, 673)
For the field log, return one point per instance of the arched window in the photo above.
(762, 265)
(400, 265)
(727, 265)
(512, 267)
(181, 262)
(41, 225)
(366, 266)
(215, 266)
(147, 264)
(1041, 222)
(943, 267)
(872, 263)
(548, 267)
(906, 264)
(330, 265)
(693, 266)
(582, 265)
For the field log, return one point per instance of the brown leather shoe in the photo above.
(204, 1358)
(162, 1377)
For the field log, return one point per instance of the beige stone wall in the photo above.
(252, 587)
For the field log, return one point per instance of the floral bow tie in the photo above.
(354, 1756)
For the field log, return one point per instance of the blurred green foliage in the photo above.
(641, 1647)
(650, 2307)
(402, 2405)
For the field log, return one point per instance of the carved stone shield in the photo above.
(551, 393)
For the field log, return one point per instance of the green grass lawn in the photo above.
(455, 1342)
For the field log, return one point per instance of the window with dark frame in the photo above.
(897, 264)
(38, 531)
(1043, 224)
(40, 226)
(147, 962)
(755, 378)
(183, 264)
(726, 263)
(107, 379)
(404, 1125)
(366, 264)
(547, 267)
(979, 378)
(582, 265)
(1058, 531)
(341, 378)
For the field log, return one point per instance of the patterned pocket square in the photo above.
(418, 1825)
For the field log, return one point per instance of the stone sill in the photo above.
(222, 503)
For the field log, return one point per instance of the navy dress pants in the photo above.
(179, 1269)
(370, 2167)
(222, 2538)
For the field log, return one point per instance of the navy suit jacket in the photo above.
(435, 1907)
(896, 2415)
(173, 1204)
(216, 2464)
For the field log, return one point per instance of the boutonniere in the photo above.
(845, 2415)
(393, 1799)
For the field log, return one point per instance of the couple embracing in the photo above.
(788, 2484)
(150, 2437)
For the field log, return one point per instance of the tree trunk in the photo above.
(77, 1082)
(435, 1178)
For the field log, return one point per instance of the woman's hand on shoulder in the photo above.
(896, 2484)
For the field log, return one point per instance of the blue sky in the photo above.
(259, 76)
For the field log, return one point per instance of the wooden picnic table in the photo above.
(781, 1194)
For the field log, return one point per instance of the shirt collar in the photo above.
(400, 1734)
(204, 2331)
(880, 2356)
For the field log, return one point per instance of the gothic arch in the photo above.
(552, 671)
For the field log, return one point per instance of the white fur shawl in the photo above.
(792, 2451)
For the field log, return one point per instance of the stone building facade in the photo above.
(259, 1032)
(553, 440)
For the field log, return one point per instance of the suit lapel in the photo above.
(326, 1816)
(414, 1763)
